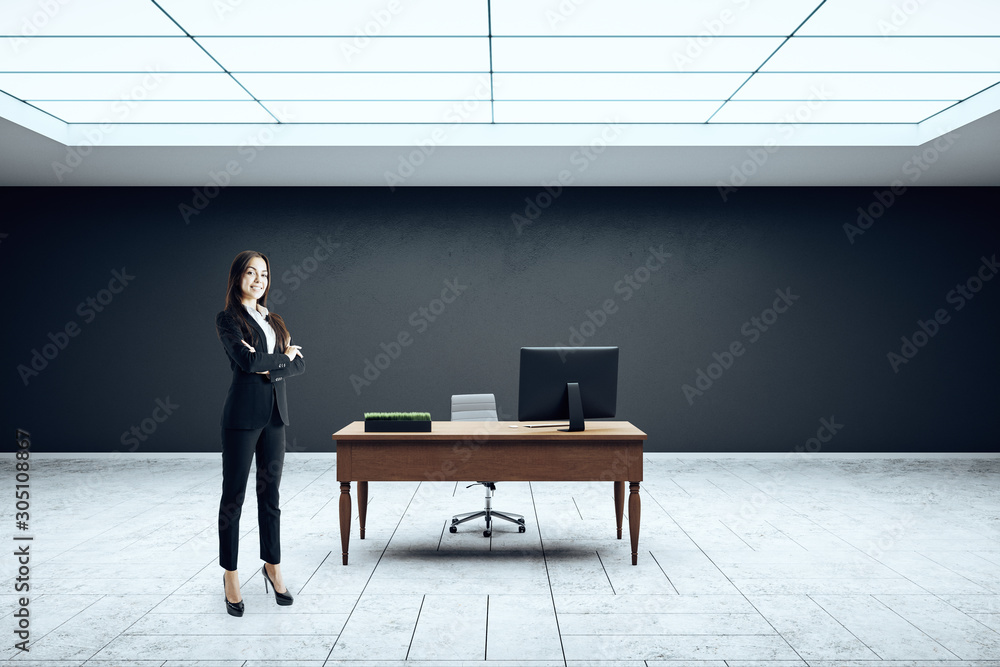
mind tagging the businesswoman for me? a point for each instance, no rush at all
(253, 419)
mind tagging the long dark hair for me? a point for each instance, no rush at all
(234, 300)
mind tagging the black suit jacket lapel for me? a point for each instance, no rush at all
(260, 333)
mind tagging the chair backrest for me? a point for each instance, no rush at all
(474, 407)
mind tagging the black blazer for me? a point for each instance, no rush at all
(251, 395)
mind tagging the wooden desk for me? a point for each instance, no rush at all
(494, 452)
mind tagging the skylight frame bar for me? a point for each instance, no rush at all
(100, 112)
(610, 86)
(61, 18)
(656, 55)
(90, 86)
(471, 49)
(802, 40)
(984, 90)
(489, 37)
(167, 14)
(353, 20)
(384, 112)
(335, 86)
(785, 41)
(879, 85)
(884, 15)
(157, 38)
(864, 112)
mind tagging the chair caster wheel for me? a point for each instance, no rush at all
(453, 529)
(520, 529)
(521, 521)
(487, 533)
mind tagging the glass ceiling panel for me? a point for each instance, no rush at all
(157, 112)
(366, 18)
(603, 112)
(615, 86)
(876, 54)
(865, 86)
(614, 54)
(411, 61)
(118, 85)
(51, 18)
(323, 54)
(366, 85)
(827, 112)
(650, 17)
(895, 18)
(107, 54)
(383, 112)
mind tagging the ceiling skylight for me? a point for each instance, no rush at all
(510, 62)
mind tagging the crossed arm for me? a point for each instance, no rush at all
(277, 365)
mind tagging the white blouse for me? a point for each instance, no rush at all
(269, 334)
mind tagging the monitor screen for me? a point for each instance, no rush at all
(545, 373)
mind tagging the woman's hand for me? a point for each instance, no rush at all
(293, 350)
(267, 373)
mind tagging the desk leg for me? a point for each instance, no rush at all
(345, 517)
(633, 519)
(362, 505)
(619, 505)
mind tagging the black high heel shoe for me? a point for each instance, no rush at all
(234, 608)
(284, 599)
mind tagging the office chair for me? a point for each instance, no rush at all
(480, 407)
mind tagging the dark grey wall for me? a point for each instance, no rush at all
(823, 358)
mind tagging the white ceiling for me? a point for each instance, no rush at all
(511, 92)
(965, 157)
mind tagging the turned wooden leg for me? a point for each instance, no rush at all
(633, 519)
(362, 505)
(345, 517)
(619, 505)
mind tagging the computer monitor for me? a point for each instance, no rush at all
(574, 383)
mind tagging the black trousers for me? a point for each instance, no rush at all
(239, 446)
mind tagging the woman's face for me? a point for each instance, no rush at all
(254, 280)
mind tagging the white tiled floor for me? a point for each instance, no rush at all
(744, 561)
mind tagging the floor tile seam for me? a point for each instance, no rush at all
(141, 616)
(785, 534)
(729, 580)
(368, 581)
(605, 570)
(313, 573)
(956, 572)
(849, 631)
(664, 573)
(552, 598)
(99, 598)
(737, 535)
(415, 624)
(875, 597)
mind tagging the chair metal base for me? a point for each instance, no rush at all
(488, 513)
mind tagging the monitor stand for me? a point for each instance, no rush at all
(575, 407)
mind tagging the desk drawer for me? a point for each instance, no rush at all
(490, 461)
